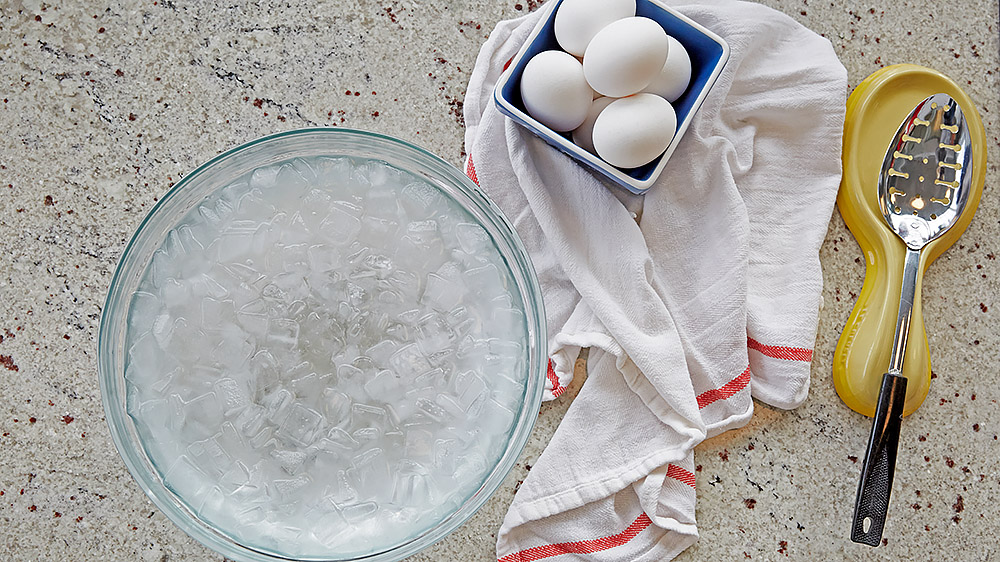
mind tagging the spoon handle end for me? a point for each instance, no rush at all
(875, 486)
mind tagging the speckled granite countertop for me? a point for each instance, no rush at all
(106, 104)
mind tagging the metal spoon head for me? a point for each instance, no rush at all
(926, 175)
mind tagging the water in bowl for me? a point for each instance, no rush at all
(325, 357)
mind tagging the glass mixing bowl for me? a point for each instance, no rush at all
(208, 181)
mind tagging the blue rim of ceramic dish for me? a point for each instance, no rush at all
(113, 328)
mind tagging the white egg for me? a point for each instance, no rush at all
(635, 130)
(675, 75)
(625, 56)
(577, 21)
(554, 90)
(583, 136)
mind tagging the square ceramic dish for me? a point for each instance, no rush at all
(708, 52)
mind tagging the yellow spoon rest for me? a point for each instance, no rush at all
(874, 112)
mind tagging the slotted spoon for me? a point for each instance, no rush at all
(923, 187)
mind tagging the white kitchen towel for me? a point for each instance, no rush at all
(693, 297)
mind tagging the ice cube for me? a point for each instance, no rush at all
(384, 387)
(283, 332)
(309, 386)
(305, 170)
(451, 406)
(155, 414)
(408, 362)
(370, 473)
(287, 489)
(237, 476)
(407, 283)
(442, 294)
(215, 312)
(252, 515)
(359, 513)
(331, 171)
(432, 379)
(472, 238)
(263, 370)
(253, 322)
(202, 285)
(451, 270)
(336, 406)
(381, 202)
(188, 240)
(397, 331)
(423, 233)
(420, 199)
(366, 434)
(293, 258)
(382, 174)
(485, 280)
(323, 257)
(364, 415)
(163, 329)
(186, 480)
(261, 439)
(144, 307)
(209, 215)
(431, 409)
(231, 441)
(175, 293)
(291, 461)
(301, 426)
(411, 487)
(212, 502)
(496, 419)
(342, 225)
(234, 246)
(418, 443)
(382, 351)
(278, 405)
(468, 387)
(508, 321)
(506, 390)
(434, 334)
(338, 440)
(381, 265)
(208, 456)
(200, 417)
(253, 204)
(232, 395)
(379, 232)
(445, 456)
(352, 380)
(251, 419)
(264, 177)
(340, 490)
(234, 347)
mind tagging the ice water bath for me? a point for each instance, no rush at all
(325, 357)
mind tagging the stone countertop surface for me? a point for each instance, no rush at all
(106, 104)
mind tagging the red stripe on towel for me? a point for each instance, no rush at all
(727, 390)
(780, 351)
(557, 389)
(580, 547)
(470, 170)
(506, 64)
(678, 473)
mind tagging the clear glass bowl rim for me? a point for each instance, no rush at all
(111, 335)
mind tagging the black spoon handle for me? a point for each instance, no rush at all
(875, 486)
